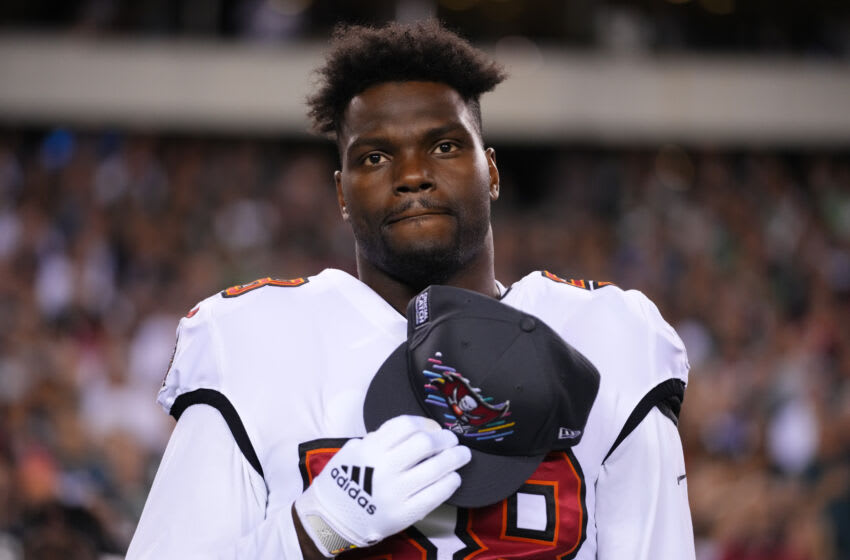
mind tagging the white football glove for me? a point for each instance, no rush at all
(376, 486)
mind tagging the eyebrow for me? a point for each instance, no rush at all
(368, 142)
(445, 129)
(429, 134)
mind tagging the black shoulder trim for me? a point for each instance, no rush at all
(220, 403)
(667, 396)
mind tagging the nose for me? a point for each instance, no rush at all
(411, 174)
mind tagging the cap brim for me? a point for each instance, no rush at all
(486, 479)
(489, 478)
(390, 393)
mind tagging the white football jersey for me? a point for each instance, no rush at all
(287, 363)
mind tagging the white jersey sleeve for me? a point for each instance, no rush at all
(662, 354)
(197, 362)
(642, 510)
(198, 375)
(208, 502)
(209, 497)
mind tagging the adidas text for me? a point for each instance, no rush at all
(349, 483)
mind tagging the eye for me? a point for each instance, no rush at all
(375, 158)
(445, 148)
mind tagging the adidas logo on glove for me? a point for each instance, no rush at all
(351, 485)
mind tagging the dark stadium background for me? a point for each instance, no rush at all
(118, 212)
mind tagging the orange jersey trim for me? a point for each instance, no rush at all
(240, 289)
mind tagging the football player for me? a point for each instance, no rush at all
(270, 457)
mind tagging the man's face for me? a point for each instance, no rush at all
(416, 182)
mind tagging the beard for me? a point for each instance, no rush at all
(425, 262)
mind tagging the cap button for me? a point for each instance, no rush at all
(527, 324)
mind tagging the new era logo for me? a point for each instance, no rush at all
(566, 433)
(356, 482)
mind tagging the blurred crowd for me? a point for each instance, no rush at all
(107, 239)
(822, 29)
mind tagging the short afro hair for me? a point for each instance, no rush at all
(361, 57)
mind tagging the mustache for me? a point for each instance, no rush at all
(407, 205)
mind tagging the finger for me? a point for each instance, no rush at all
(434, 468)
(419, 446)
(400, 428)
(426, 500)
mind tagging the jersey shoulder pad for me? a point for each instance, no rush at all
(662, 338)
(619, 329)
(634, 325)
(542, 289)
(588, 285)
(197, 360)
(261, 293)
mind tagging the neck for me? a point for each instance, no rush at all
(478, 275)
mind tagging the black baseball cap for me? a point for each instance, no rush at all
(510, 387)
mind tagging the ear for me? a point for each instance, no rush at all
(494, 173)
(340, 198)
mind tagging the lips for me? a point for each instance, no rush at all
(415, 212)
